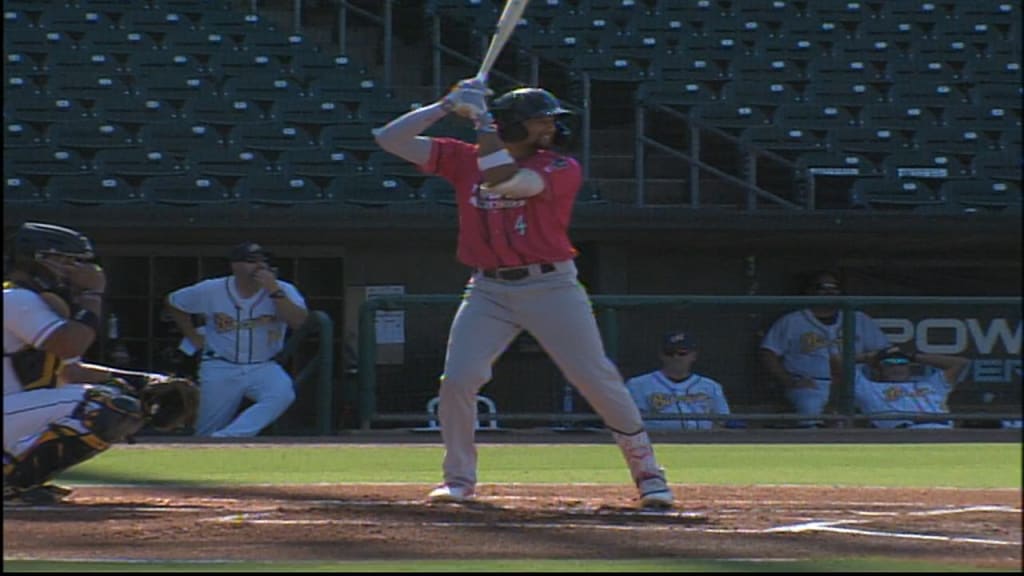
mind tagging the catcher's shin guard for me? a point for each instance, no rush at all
(102, 418)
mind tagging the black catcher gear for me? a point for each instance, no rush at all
(35, 240)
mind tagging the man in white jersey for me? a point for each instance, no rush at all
(888, 386)
(676, 389)
(246, 316)
(802, 350)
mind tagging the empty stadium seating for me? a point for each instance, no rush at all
(833, 80)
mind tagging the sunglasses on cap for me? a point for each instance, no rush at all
(826, 286)
(896, 361)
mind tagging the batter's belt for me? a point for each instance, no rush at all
(517, 273)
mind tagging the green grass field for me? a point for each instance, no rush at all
(897, 465)
(962, 466)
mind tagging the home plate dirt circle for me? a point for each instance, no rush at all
(979, 528)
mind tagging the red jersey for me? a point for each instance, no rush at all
(496, 232)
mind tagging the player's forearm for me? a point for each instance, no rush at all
(774, 368)
(293, 314)
(401, 136)
(940, 361)
(183, 320)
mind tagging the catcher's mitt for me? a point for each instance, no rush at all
(170, 402)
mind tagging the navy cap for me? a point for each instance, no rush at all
(248, 252)
(676, 341)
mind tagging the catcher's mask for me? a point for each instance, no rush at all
(35, 241)
(512, 108)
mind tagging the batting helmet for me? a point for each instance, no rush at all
(512, 108)
(34, 240)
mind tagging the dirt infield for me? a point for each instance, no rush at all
(979, 528)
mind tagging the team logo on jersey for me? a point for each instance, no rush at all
(558, 163)
(489, 201)
(224, 323)
(811, 341)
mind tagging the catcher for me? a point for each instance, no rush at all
(58, 410)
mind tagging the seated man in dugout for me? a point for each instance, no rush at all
(888, 385)
(675, 389)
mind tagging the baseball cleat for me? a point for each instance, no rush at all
(44, 495)
(450, 493)
(655, 493)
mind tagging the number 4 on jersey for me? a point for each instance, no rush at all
(521, 225)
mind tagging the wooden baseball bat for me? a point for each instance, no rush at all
(510, 16)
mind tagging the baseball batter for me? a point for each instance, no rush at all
(676, 389)
(802, 349)
(56, 412)
(246, 317)
(887, 386)
(515, 193)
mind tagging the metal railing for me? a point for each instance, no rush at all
(320, 366)
(610, 304)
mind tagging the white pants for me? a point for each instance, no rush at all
(27, 414)
(223, 385)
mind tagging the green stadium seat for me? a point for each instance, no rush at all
(438, 190)
(134, 110)
(313, 111)
(201, 43)
(91, 134)
(232, 162)
(281, 190)
(216, 111)
(21, 191)
(180, 138)
(188, 189)
(155, 63)
(262, 87)
(137, 162)
(119, 42)
(998, 164)
(731, 116)
(273, 43)
(321, 165)
(349, 137)
(233, 64)
(23, 135)
(92, 190)
(385, 164)
(230, 21)
(924, 165)
(36, 42)
(44, 108)
(895, 194)
(87, 86)
(376, 192)
(72, 19)
(987, 193)
(814, 116)
(46, 161)
(271, 137)
(308, 66)
(897, 115)
(787, 142)
(351, 90)
(176, 85)
(676, 93)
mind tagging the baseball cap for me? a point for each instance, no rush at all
(248, 252)
(892, 355)
(676, 341)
